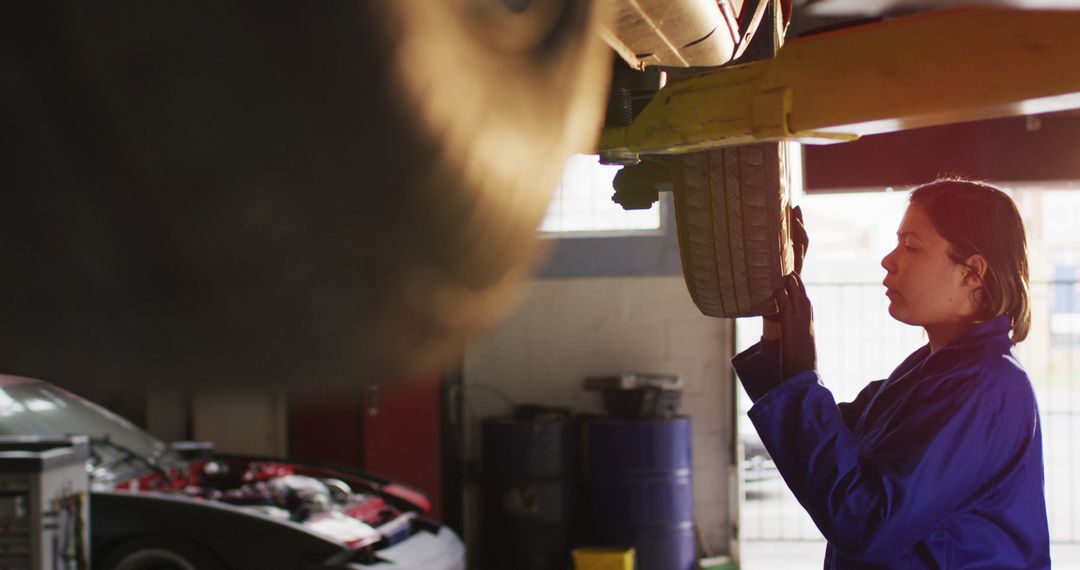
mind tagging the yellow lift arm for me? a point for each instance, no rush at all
(928, 69)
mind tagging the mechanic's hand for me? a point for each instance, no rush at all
(797, 351)
(800, 242)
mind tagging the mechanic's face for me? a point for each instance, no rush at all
(925, 287)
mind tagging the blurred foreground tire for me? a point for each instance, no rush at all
(301, 193)
(731, 209)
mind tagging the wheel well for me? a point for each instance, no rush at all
(113, 549)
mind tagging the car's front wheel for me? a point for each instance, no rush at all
(160, 554)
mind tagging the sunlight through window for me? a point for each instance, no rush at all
(582, 203)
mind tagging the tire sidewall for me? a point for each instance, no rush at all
(181, 553)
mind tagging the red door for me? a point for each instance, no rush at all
(391, 431)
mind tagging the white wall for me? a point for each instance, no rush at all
(568, 329)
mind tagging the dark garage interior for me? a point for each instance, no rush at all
(458, 285)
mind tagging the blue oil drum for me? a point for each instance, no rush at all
(530, 500)
(639, 492)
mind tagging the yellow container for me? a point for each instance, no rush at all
(597, 558)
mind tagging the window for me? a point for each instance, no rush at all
(582, 204)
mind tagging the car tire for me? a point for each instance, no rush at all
(160, 554)
(731, 210)
(534, 94)
(290, 194)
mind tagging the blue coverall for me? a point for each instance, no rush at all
(938, 466)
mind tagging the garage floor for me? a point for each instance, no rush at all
(808, 555)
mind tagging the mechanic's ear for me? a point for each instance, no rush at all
(976, 270)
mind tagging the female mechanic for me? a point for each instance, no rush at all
(939, 465)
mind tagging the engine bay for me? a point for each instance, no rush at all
(347, 509)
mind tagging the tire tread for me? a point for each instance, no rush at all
(729, 209)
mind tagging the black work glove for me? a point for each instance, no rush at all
(797, 351)
(800, 242)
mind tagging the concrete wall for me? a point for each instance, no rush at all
(241, 420)
(568, 329)
(168, 411)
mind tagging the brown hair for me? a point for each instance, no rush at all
(977, 218)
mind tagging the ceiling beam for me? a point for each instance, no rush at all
(886, 7)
